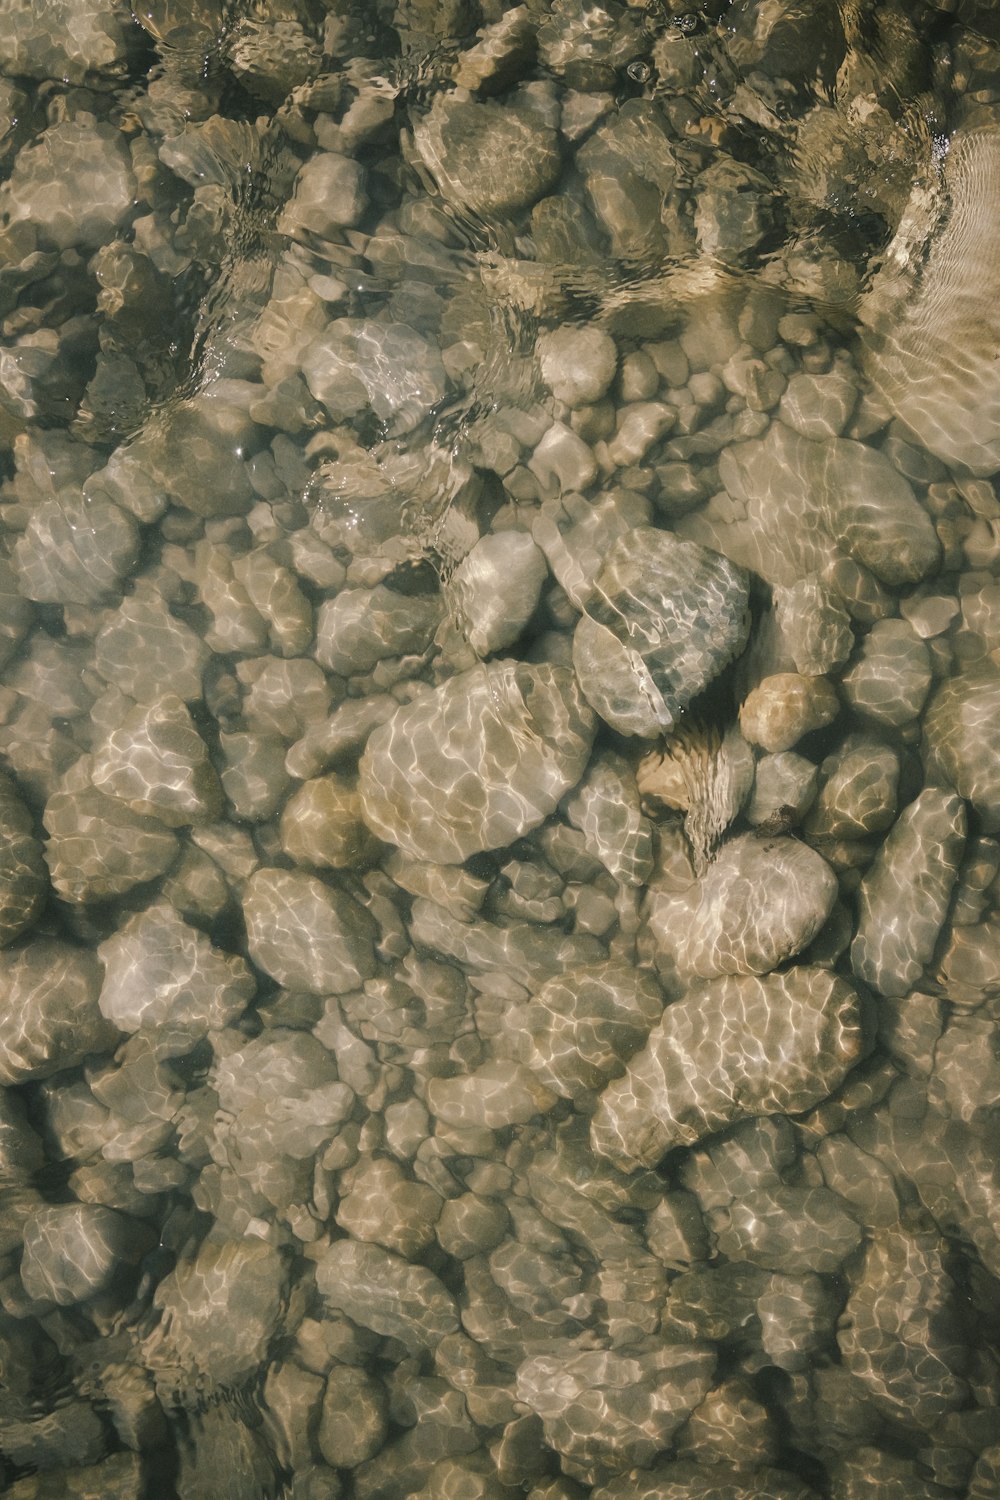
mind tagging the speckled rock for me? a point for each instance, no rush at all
(496, 589)
(382, 1292)
(49, 1016)
(76, 550)
(75, 184)
(73, 1250)
(489, 159)
(787, 1229)
(158, 970)
(786, 706)
(606, 1410)
(665, 618)
(23, 872)
(904, 897)
(306, 934)
(897, 1335)
(581, 1028)
(577, 364)
(962, 739)
(220, 1311)
(380, 1205)
(605, 808)
(722, 926)
(731, 1049)
(476, 763)
(157, 763)
(858, 797)
(497, 1094)
(97, 848)
(891, 678)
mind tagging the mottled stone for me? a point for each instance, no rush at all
(814, 624)
(962, 739)
(476, 763)
(360, 627)
(665, 618)
(629, 169)
(489, 159)
(145, 651)
(576, 535)
(722, 926)
(73, 1250)
(785, 707)
(382, 1292)
(606, 1410)
(329, 196)
(306, 934)
(98, 849)
(732, 1048)
(703, 774)
(254, 778)
(72, 42)
(784, 788)
(818, 406)
(497, 1094)
(322, 826)
(891, 678)
(496, 589)
(280, 1094)
(577, 364)
(157, 763)
(49, 1016)
(797, 1319)
(729, 1427)
(787, 1229)
(220, 1311)
(159, 971)
(76, 550)
(904, 897)
(897, 1335)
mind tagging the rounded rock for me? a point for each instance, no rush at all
(785, 707)
(308, 935)
(578, 364)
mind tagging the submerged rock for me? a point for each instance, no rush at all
(732, 1048)
(23, 873)
(489, 159)
(962, 739)
(664, 619)
(306, 934)
(72, 1251)
(382, 1292)
(476, 763)
(49, 1016)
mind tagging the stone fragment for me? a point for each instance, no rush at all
(160, 971)
(607, 1410)
(721, 926)
(797, 1316)
(785, 707)
(580, 1029)
(897, 1334)
(629, 170)
(962, 739)
(496, 589)
(733, 1048)
(522, 952)
(220, 1311)
(578, 364)
(49, 1016)
(733, 211)
(281, 1097)
(497, 1094)
(476, 763)
(562, 462)
(75, 550)
(73, 1250)
(664, 619)
(157, 763)
(382, 1292)
(98, 849)
(892, 676)
(492, 160)
(306, 934)
(904, 897)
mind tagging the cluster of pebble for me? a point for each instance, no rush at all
(500, 707)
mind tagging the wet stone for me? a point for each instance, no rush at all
(605, 808)
(891, 678)
(75, 184)
(797, 1318)
(49, 1017)
(577, 364)
(380, 1205)
(23, 872)
(73, 42)
(858, 797)
(576, 536)
(254, 778)
(476, 763)
(703, 774)
(329, 196)
(496, 589)
(76, 550)
(904, 897)
(489, 159)
(157, 763)
(787, 1229)
(73, 1250)
(354, 1418)
(665, 618)
(322, 826)
(360, 627)
(146, 652)
(784, 786)
(98, 848)
(160, 971)
(962, 739)
(815, 624)
(784, 708)
(382, 1292)
(306, 934)
(733, 1048)
(497, 1094)
(818, 406)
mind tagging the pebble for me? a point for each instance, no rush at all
(488, 158)
(157, 763)
(784, 708)
(494, 1096)
(75, 185)
(380, 1205)
(322, 825)
(818, 406)
(448, 776)
(145, 651)
(329, 196)
(815, 624)
(784, 786)
(97, 848)
(72, 1251)
(858, 797)
(962, 739)
(381, 1291)
(358, 628)
(892, 676)
(576, 536)
(605, 808)
(49, 1015)
(496, 589)
(76, 550)
(577, 364)
(787, 1229)
(306, 934)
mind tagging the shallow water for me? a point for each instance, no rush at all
(500, 730)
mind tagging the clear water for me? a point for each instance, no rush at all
(341, 345)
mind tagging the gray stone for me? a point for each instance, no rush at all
(477, 763)
(962, 739)
(157, 763)
(329, 196)
(496, 589)
(145, 651)
(858, 797)
(75, 184)
(605, 808)
(892, 676)
(380, 1205)
(76, 550)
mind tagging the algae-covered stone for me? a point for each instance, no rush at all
(476, 763)
(665, 617)
(308, 935)
(733, 1048)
